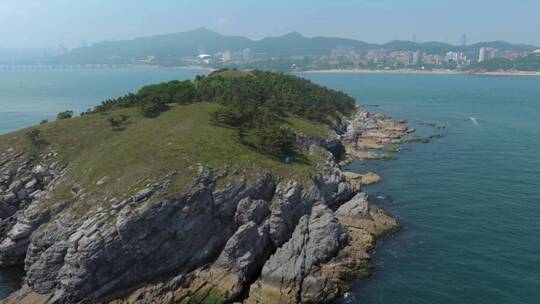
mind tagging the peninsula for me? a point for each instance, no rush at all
(228, 188)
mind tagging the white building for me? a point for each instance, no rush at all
(205, 58)
(482, 55)
(487, 53)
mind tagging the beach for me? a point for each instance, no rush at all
(416, 71)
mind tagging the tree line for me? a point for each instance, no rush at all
(255, 103)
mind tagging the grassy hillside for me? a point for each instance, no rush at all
(146, 149)
(235, 124)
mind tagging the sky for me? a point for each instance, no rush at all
(49, 23)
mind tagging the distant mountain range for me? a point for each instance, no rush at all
(171, 47)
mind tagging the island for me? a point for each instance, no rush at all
(228, 188)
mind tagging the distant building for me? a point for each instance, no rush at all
(247, 55)
(432, 59)
(416, 58)
(400, 58)
(536, 53)
(487, 53)
(482, 55)
(227, 56)
(452, 57)
(464, 40)
(376, 56)
(492, 53)
(204, 58)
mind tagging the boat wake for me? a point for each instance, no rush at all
(474, 120)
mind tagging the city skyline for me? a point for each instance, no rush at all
(34, 23)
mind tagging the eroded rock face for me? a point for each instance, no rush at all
(24, 187)
(270, 241)
(293, 273)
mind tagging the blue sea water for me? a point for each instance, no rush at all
(28, 96)
(468, 203)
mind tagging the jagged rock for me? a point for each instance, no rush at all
(317, 239)
(31, 185)
(357, 206)
(358, 180)
(251, 211)
(236, 267)
(286, 211)
(143, 194)
(15, 186)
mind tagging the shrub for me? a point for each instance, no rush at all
(36, 141)
(117, 121)
(34, 136)
(275, 140)
(65, 115)
(153, 107)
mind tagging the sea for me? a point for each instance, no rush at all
(468, 202)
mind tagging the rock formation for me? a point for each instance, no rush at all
(270, 240)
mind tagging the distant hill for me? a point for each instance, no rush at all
(172, 47)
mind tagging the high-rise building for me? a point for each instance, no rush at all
(464, 40)
(482, 54)
(491, 53)
(227, 56)
(487, 53)
(416, 58)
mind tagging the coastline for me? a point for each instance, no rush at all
(414, 71)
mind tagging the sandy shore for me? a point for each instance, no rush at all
(414, 71)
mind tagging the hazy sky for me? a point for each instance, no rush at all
(39, 23)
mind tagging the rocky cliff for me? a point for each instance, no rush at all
(269, 239)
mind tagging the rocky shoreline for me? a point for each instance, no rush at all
(264, 241)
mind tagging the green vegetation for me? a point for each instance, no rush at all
(392, 148)
(147, 149)
(117, 121)
(34, 135)
(65, 115)
(261, 106)
(152, 107)
(36, 142)
(529, 63)
(415, 139)
(209, 297)
(363, 269)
